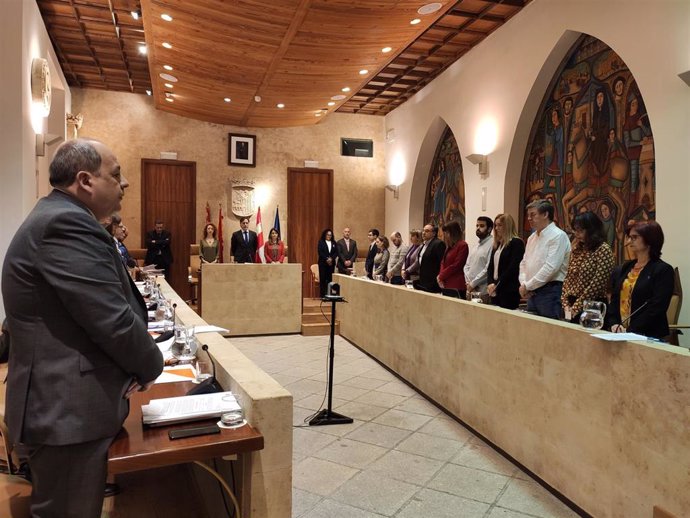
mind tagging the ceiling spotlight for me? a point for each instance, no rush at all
(168, 77)
(142, 48)
(169, 99)
(227, 99)
(257, 98)
(167, 45)
(346, 89)
(331, 103)
(280, 105)
(167, 67)
(136, 14)
(338, 97)
(168, 85)
(166, 17)
(168, 94)
(430, 8)
(363, 72)
(148, 92)
(386, 50)
(317, 114)
(415, 21)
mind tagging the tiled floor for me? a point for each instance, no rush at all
(401, 457)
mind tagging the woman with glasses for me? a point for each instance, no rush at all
(642, 287)
(381, 258)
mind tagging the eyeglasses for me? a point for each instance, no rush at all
(633, 237)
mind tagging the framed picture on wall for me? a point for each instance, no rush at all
(242, 150)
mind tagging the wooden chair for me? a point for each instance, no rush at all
(138, 254)
(673, 311)
(314, 280)
(193, 271)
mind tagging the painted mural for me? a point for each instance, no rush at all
(591, 146)
(445, 198)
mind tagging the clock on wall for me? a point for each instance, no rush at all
(40, 85)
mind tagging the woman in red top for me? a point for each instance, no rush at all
(274, 249)
(451, 274)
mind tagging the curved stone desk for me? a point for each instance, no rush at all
(607, 424)
(266, 478)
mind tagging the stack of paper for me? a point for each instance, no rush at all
(188, 408)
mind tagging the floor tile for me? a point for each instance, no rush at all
(355, 454)
(381, 399)
(419, 405)
(320, 476)
(340, 430)
(428, 503)
(305, 387)
(397, 387)
(359, 410)
(378, 434)
(400, 419)
(366, 383)
(331, 509)
(317, 402)
(531, 498)
(348, 392)
(406, 467)
(303, 501)
(375, 493)
(380, 373)
(484, 457)
(500, 512)
(469, 483)
(446, 428)
(307, 441)
(431, 446)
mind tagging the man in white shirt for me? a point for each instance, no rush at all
(397, 252)
(545, 263)
(478, 260)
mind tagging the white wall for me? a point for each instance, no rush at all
(503, 80)
(23, 37)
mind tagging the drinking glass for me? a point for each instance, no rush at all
(476, 296)
(593, 314)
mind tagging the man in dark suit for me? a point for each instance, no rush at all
(430, 257)
(158, 245)
(80, 345)
(347, 252)
(371, 254)
(243, 243)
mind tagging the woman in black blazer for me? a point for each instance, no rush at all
(503, 283)
(328, 253)
(642, 287)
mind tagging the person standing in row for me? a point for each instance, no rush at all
(347, 253)
(478, 260)
(328, 254)
(410, 270)
(504, 265)
(158, 250)
(396, 259)
(243, 243)
(208, 246)
(371, 254)
(80, 344)
(451, 274)
(430, 257)
(274, 248)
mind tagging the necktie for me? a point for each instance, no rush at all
(246, 237)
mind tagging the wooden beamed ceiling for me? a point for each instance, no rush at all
(300, 53)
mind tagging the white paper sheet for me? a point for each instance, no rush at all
(188, 408)
(620, 337)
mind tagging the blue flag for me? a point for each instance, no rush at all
(276, 223)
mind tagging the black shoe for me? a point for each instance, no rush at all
(111, 489)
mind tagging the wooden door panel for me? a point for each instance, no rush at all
(310, 211)
(168, 193)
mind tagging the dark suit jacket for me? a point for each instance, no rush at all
(78, 328)
(369, 261)
(452, 273)
(430, 264)
(324, 254)
(244, 252)
(344, 255)
(654, 287)
(159, 252)
(508, 290)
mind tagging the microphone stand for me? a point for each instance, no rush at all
(327, 416)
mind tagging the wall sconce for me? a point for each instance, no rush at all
(482, 161)
(395, 189)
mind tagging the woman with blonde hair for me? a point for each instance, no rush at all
(504, 265)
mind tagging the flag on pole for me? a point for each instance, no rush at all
(220, 233)
(276, 222)
(260, 239)
(208, 215)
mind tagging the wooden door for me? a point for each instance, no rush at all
(310, 211)
(168, 193)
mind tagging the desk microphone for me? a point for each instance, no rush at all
(210, 385)
(634, 313)
(174, 312)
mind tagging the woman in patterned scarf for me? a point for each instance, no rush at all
(591, 264)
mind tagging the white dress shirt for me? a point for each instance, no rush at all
(477, 264)
(546, 258)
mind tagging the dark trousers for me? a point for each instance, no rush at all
(397, 280)
(68, 481)
(546, 301)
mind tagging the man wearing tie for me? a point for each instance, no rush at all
(347, 252)
(80, 346)
(243, 243)
(369, 262)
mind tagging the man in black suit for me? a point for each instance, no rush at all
(347, 252)
(430, 257)
(159, 252)
(243, 243)
(80, 345)
(369, 261)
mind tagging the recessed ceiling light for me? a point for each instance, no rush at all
(168, 85)
(415, 21)
(257, 98)
(166, 17)
(227, 99)
(148, 92)
(346, 89)
(280, 105)
(167, 67)
(331, 103)
(385, 50)
(363, 72)
(169, 99)
(317, 114)
(430, 8)
(142, 48)
(168, 77)
(338, 97)
(167, 45)
(168, 94)
(136, 14)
